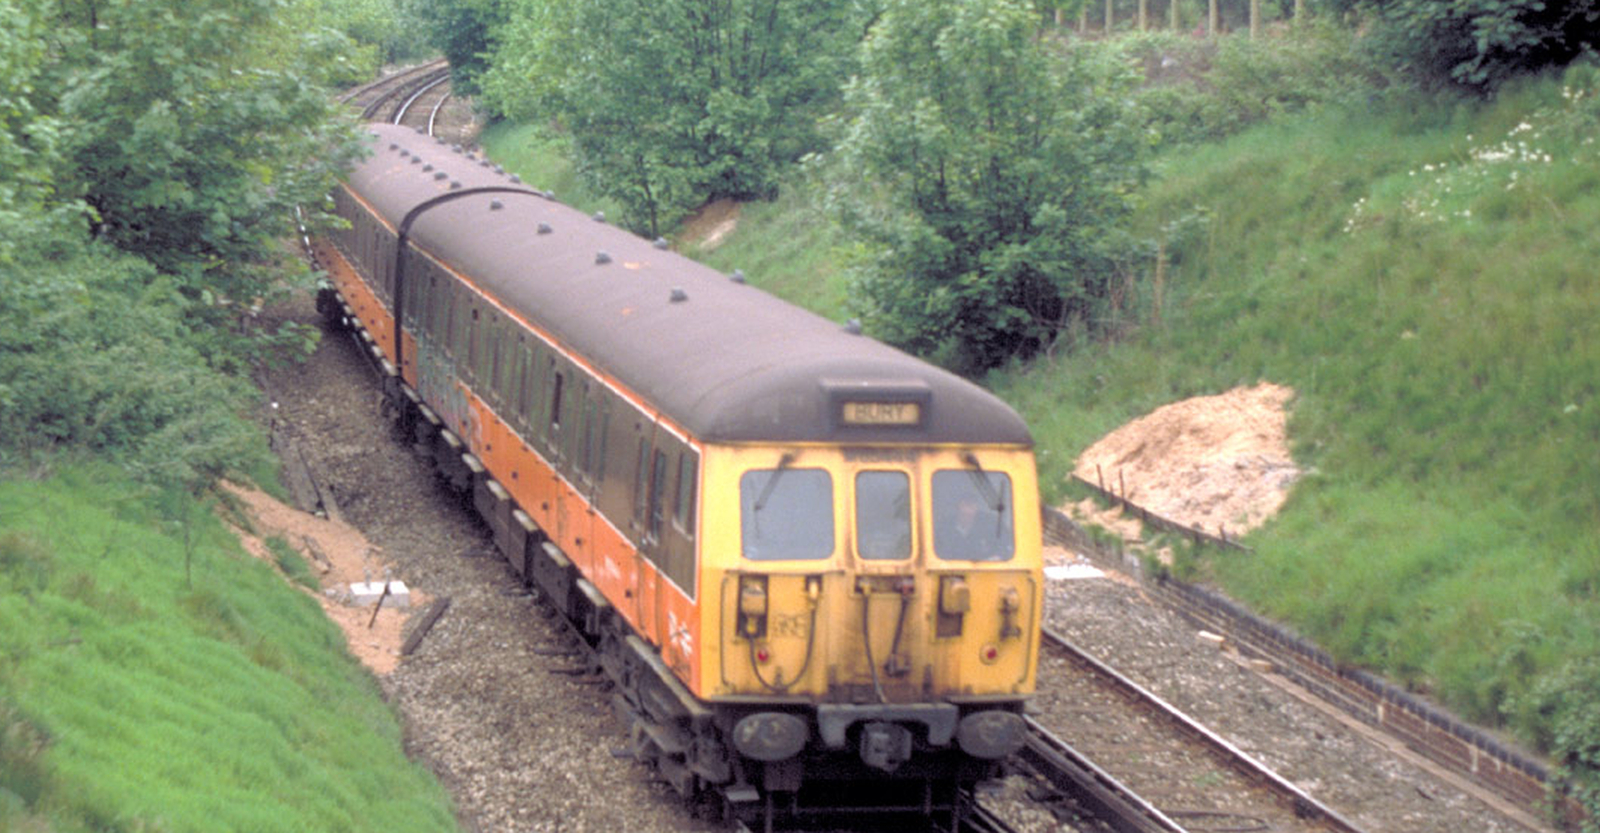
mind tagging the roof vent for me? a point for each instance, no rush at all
(544, 228)
(678, 296)
(496, 205)
(416, 160)
(497, 169)
(853, 326)
(393, 145)
(549, 195)
(439, 175)
(602, 257)
(422, 130)
(737, 276)
(472, 156)
(515, 178)
(428, 167)
(599, 217)
(454, 184)
(659, 242)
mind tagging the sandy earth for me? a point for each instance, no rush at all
(707, 227)
(339, 555)
(1215, 463)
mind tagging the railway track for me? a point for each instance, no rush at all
(421, 107)
(389, 98)
(1144, 767)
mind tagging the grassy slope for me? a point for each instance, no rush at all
(1443, 332)
(1429, 289)
(132, 700)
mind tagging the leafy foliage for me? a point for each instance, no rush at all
(461, 29)
(1479, 44)
(94, 355)
(192, 135)
(669, 103)
(1198, 90)
(987, 178)
(29, 136)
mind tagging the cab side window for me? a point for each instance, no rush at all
(786, 514)
(972, 515)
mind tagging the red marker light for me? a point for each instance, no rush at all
(762, 656)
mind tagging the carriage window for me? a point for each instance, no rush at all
(555, 402)
(683, 512)
(431, 308)
(641, 478)
(972, 519)
(883, 514)
(448, 302)
(786, 513)
(497, 375)
(658, 489)
(462, 333)
(590, 444)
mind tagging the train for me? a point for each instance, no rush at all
(808, 563)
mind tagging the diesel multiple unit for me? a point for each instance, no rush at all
(808, 561)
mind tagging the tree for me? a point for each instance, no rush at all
(190, 133)
(1479, 44)
(986, 177)
(461, 30)
(29, 138)
(672, 102)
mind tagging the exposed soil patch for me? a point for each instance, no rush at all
(1212, 462)
(339, 555)
(707, 227)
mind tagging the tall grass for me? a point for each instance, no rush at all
(147, 700)
(542, 161)
(1423, 276)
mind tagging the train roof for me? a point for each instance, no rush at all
(727, 361)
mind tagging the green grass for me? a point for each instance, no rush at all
(789, 248)
(1433, 300)
(542, 162)
(292, 563)
(134, 698)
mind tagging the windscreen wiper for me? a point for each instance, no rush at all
(772, 482)
(981, 479)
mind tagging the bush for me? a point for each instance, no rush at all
(986, 178)
(1480, 45)
(95, 353)
(1201, 90)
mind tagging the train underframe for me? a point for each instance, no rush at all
(878, 759)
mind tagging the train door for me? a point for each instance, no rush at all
(647, 485)
(889, 590)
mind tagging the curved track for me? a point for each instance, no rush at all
(387, 98)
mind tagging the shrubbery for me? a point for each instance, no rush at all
(96, 354)
(1480, 45)
(671, 103)
(987, 178)
(1201, 90)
